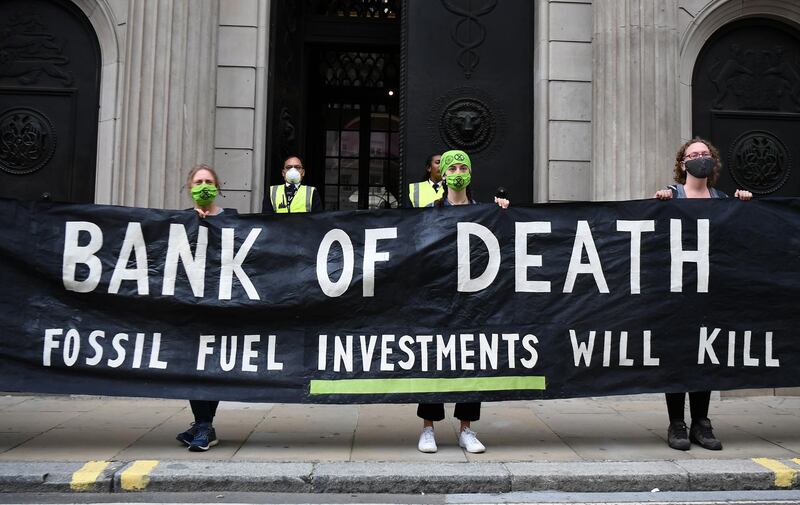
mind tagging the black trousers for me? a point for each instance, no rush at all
(698, 404)
(435, 411)
(203, 410)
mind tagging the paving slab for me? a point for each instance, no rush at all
(22, 421)
(260, 407)
(10, 400)
(739, 406)
(575, 406)
(66, 403)
(11, 440)
(73, 445)
(297, 447)
(788, 404)
(781, 430)
(653, 405)
(513, 432)
(611, 437)
(376, 444)
(310, 418)
(114, 417)
(391, 433)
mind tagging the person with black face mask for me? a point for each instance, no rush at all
(697, 165)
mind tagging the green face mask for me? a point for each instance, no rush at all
(204, 194)
(457, 182)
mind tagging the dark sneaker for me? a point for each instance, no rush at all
(702, 434)
(187, 436)
(677, 437)
(205, 437)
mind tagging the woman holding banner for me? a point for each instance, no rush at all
(697, 165)
(203, 184)
(455, 168)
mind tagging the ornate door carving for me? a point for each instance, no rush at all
(286, 132)
(49, 90)
(470, 86)
(746, 100)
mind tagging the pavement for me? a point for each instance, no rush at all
(108, 444)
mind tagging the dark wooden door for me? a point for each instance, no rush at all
(746, 101)
(334, 98)
(470, 87)
(354, 111)
(49, 94)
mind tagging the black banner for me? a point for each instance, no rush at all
(460, 303)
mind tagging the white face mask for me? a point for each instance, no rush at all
(293, 176)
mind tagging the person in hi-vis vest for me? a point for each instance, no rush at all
(292, 196)
(427, 191)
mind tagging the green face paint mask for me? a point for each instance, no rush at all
(204, 194)
(457, 182)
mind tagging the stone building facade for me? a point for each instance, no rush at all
(188, 81)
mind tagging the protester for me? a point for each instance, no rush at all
(697, 166)
(430, 188)
(203, 184)
(456, 169)
(293, 196)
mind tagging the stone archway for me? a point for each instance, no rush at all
(711, 18)
(102, 19)
(49, 90)
(746, 101)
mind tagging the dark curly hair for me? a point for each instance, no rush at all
(680, 174)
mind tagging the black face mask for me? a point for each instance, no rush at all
(700, 167)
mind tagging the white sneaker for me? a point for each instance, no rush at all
(427, 442)
(468, 439)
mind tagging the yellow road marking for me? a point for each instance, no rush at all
(784, 475)
(87, 475)
(137, 476)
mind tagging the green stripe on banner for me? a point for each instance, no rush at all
(387, 386)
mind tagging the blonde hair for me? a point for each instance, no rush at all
(196, 169)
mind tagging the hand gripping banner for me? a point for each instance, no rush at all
(452, 304)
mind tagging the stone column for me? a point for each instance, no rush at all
(635, 96)
(169, 89)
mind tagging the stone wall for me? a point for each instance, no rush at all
(239, 140)
(184, 82)
(563, 103)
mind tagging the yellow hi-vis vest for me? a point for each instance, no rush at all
(300, 203)
(421, 194)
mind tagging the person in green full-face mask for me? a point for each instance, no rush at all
(456, 169)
